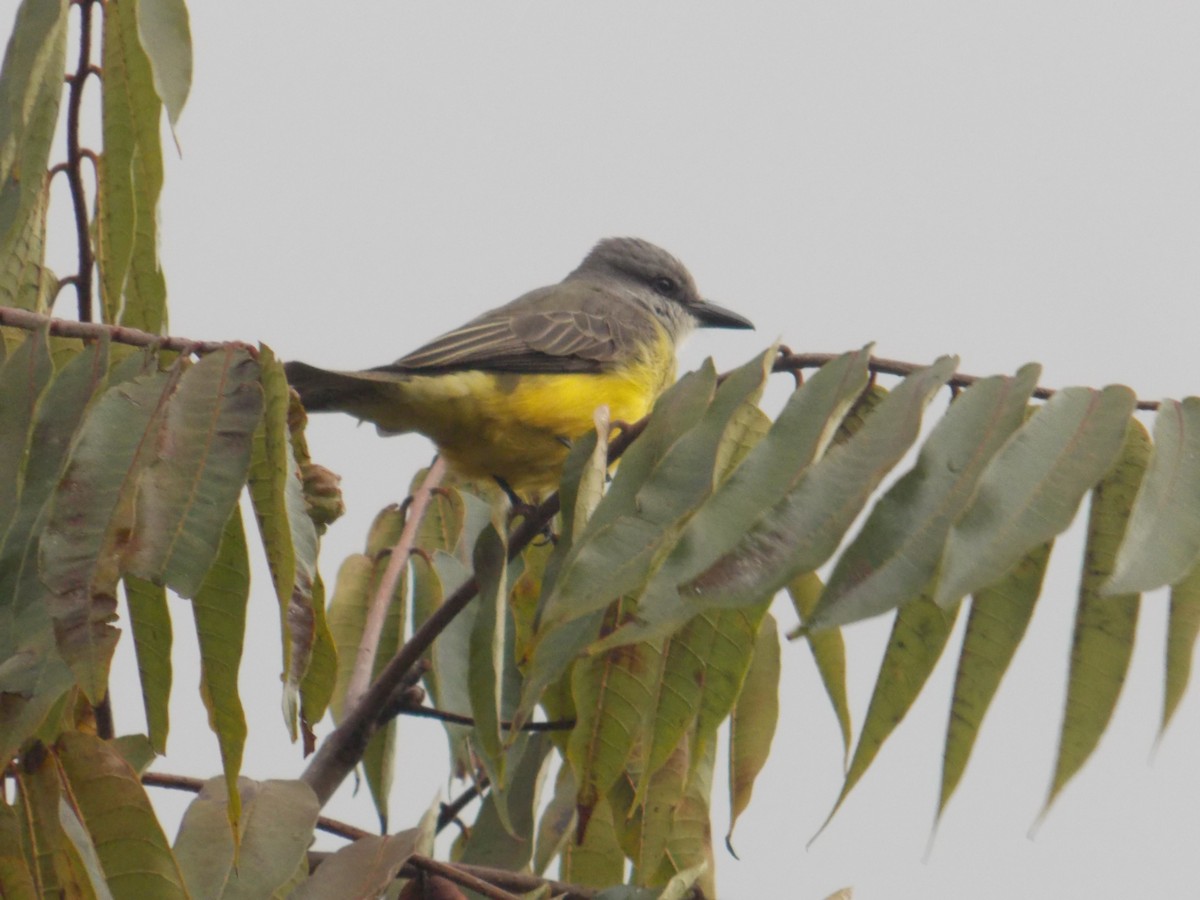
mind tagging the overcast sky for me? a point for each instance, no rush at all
(1009, 182)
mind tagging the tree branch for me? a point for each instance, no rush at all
(91, 331)
(75, 83)
(461, 877)
(429, 712)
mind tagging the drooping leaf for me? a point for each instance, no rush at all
(450, 656)
(828, 651)
(555, 825)
(219, 609)
(23, 378)
(364, 868)
(746, 555)
(1183, 625)
(167, 39)
(752, 723)
(151, 623)
(290, 540)
(598, 860)
(1104, 626)
(919, 634)
(1162, 542)
(16, 876)
(31, 88)
(91, 517)
(489, 842)
(999, 617)
(1031, 489)
(614, 695)
(898, 550)
(485, 671)
(274, 833)
(133, 290)
(186, 495)
(112, 804)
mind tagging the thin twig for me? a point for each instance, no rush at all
(83, 281)
(368, 644)
(429, 712)
(461, 877)
(793, 362)
(449, 811)
(119, 334)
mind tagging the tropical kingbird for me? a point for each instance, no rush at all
(504, 395)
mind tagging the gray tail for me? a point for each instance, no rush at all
(321, 390)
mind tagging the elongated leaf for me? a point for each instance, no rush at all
(274, 832)
(24, 609)
(87, 873)
(1030, 491)
(450, 659)
(23, 378)
(132, 288)
(1183, 625)
(151, 622)
(55, 864)
(752, 723)
(919, 635)
(290, 539)
(615, 560)
(16, 877)
(167, 39)
(90, 517)
(999, 617)
(486, 643)
(689, 842)
(898, 550)
(365, 868)
(185, 497)
(30, 92)
(219, 609)
(793, 534)
(597, 860)
(614, 695)
(489, 842)
(1104, 626)
(109, 798)
(828, 651)
(1163, 539)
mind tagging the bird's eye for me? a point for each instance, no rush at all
(665, 286)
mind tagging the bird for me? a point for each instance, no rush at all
(504, 396)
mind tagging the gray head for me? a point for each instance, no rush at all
(660, 281)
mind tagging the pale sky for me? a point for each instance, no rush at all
(1009, 182)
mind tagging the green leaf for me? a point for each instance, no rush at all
(274, 833)
(1162, 542)
(489, 842)
(1183, 625)
(450, 655)
(747, 554)
(186, 495)
(616, 697)
(999, 617)
(24, 609)
(133, 291)
(91, 517)
(898, 550)
(365, 868)
(151, 623)
(16, 877)
(23, 378)
(828, 651)
(615, 560)
(290, 540)
(167, 39)
(597, 860)
(31, 88)
(486, 653)
(1104, 626)
(1032, 487)
(112, 804)
(919, 634)
(219, 609)
(752, 723)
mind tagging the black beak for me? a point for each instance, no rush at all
(709, 315)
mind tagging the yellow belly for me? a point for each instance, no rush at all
(514, 426)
